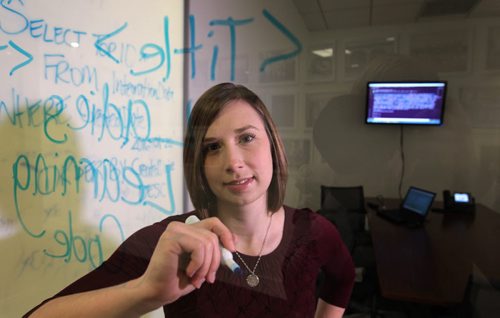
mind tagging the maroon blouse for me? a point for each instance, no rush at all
(288, 275)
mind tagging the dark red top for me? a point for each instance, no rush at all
(288, 275)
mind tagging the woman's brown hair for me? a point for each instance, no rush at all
(204, 113)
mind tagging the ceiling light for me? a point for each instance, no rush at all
(328, 52)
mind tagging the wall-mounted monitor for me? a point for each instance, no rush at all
(405, 103)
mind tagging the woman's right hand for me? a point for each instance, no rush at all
(185, 257)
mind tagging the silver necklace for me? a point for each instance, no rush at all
(252, 278)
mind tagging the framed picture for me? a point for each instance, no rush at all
(443, 51)
(493, 49)
(283, 109)
(357, 54)
(320, 63)
(280, 69)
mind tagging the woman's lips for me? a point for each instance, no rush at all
(239, 185)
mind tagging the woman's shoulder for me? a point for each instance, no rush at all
(305, 215)
(305, 219)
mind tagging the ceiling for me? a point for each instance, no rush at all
(321, 15)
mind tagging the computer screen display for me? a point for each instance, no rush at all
(405, 103)
(462, 197)
(418, 200)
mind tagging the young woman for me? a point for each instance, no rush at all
(236, 172)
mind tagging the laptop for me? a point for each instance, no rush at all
(413, 210)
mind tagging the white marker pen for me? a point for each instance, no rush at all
(226, 255)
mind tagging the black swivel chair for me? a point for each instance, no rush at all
(345, 207)
(352, 198)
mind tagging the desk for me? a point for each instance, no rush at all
(432, 264)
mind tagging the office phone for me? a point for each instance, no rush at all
(458, 201)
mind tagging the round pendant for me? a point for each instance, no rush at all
(252, 280)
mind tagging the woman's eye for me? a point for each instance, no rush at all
(212, 147)
(247, 138)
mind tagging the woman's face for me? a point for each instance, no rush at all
(238, 160)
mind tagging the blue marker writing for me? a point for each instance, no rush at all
(226, 255)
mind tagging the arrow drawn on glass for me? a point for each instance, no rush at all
(23, 52)
(101, 39)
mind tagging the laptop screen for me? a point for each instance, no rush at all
(418, 200)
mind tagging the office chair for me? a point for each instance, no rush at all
(345, 207)
(352, 198)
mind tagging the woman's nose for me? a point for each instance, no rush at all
(234, 159)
